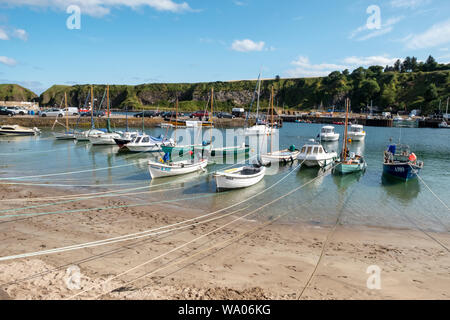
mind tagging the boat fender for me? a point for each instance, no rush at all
(182, 165)
(292, 159)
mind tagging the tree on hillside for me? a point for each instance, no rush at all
(431, 93)
(397, 65)
(369, 89)
(430, 64)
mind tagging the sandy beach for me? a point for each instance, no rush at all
(247, 259)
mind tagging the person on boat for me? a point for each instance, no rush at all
(166, 157)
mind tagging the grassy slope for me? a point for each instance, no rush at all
(14, 92)
(297, 94)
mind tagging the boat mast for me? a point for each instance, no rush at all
(211, 116)
(259, 94)
(92, 107)
(176, 119)
(107, 108)
(347, 103)
(67, 112)
(271, 132)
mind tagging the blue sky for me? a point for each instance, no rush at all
(144, 41)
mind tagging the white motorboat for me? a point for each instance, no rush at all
(126, 138)
(145, 143)
(65, 135)
(356, 132)
(314, 155)
(85, 135)
(328, 134)
(288, 155)
(16, 130)
(104, 138)
(260, 129)
(163, 170)
(238, 178)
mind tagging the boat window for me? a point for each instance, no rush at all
(146, 140)
(309, 150)
(303, 149)
(138, 139)
(316, 150)
(320, 150)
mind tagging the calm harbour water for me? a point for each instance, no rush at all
(365, 199)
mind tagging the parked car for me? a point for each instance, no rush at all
(238, 112)
(18, 111)
(147, 114)
(6, 112)
(53, 113)
(170, 114)
(200, 114)
(97, 114)
(225, 115)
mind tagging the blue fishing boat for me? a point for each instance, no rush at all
(401, 163)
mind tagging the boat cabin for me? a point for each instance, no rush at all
(328, 130)
(312, 149)
(356, 128)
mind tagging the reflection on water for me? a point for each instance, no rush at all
(400, 190)
(343, 182)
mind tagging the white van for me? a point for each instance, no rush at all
(238, 112)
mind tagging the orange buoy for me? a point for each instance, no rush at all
(412, 157)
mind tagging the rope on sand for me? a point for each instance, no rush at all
(186, 244)
(130, 236)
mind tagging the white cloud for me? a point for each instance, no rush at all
(436, 35)
(409, 4)
(370, 61)
(3, 35)
(384, 29)
(304, 68)
(8, 61)
(247, 45)
(100, 8)
(21, 34)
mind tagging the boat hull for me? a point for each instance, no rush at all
(141, 148)
(329, 137)
(282, 156)
(16, 133)
(356, 136)
(226, 181)
(342, 168)
(403, 171)
(160, 170)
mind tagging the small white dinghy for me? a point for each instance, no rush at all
(314, 155)
(85, 135)
(238, 178)
(163, 170)
(104, 139)
(287, 155)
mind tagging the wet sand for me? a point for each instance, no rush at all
(246, 260)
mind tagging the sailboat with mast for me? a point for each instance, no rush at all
(259, 128)
(287, 155)
(85, 135)
(105, 138)
(171, 147)
(349, 162)
(219, 153)
(67, 135)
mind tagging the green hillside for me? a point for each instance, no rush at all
(404, 86)
(14, 92)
